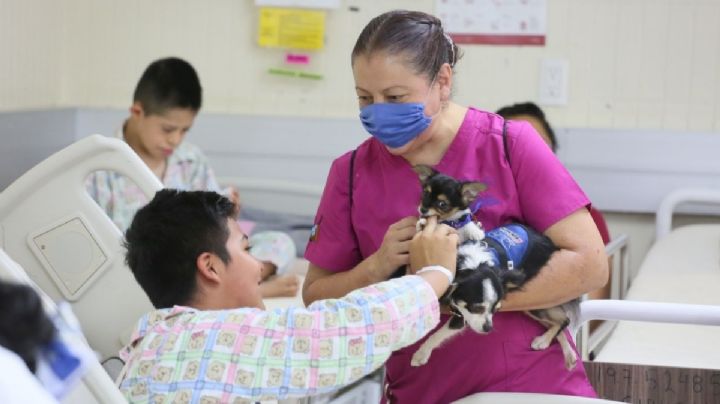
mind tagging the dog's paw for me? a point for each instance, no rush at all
(570, 359)
(420, 224)
(421, 357)
(540, 342)
(474, 233)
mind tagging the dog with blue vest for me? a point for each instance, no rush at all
(489, 265)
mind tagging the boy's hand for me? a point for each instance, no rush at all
(234, 195)
(436, 244)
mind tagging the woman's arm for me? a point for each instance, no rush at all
(392, 254)
(323, 284)
(579, 267)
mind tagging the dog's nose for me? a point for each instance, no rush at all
(424, 211)
(487, 327)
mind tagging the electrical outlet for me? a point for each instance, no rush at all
(553, 82)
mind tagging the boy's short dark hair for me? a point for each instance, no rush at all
(530, 109)
(168, 83)
(25, 329)
(166, 237)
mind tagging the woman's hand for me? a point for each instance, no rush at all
(394, 251)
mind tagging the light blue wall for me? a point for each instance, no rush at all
(27, 138)
(620, 170)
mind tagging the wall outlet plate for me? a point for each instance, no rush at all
(553, 82)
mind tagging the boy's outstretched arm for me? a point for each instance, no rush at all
(295, 352)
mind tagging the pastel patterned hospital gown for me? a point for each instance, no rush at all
(187, 169)
(232, 356)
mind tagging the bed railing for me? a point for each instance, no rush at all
(663, 218)
(276, 195)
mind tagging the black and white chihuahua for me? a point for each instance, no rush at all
(488, 266)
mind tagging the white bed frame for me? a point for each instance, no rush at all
(676, 283)
(66, 243)
(95, 385)
(276, 195)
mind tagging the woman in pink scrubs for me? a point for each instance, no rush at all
(403, 67)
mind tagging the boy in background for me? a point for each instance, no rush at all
(165, 103)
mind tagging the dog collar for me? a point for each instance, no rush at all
(459, 223)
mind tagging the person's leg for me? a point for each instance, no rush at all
(280, 286)
(275, 249)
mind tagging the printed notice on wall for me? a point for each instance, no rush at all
(328, 4)
(496, 22)
(291, 28)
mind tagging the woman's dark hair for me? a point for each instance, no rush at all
(418, 36)
(166, 237)
(24, 327)
(530, 109)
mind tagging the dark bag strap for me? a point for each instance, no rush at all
(351, 186)
(505, 142)
(351, 179)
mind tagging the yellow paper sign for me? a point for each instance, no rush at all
(291, 28)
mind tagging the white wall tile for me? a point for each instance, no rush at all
(676, 115)
(650, 114)
(705, 74)
(701, 117)
(655, 33)
(679, 54)
(641, 63)
(31, 43)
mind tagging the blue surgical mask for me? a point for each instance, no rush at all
(395, 125)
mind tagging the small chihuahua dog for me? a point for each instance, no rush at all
(488, 266)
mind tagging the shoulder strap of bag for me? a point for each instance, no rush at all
(505, 141)
(351, 186)
(352, 177)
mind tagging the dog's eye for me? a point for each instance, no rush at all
(477, 308)
(442, 205)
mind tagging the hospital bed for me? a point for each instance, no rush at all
(649, 313)
(95, 386)
(682, 266)
(69, 247)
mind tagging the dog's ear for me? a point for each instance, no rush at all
(512, 279)
(462, 274)
(470, 190)
(424, 172)
(447, 296)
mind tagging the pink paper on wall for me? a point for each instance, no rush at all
(297, 58)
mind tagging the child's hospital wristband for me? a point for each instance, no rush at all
(437, 268)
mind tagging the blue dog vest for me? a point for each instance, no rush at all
(508, 245)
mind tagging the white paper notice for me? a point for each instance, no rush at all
(327, 4)
(498, 22)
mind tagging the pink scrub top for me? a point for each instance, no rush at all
(533, 187)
